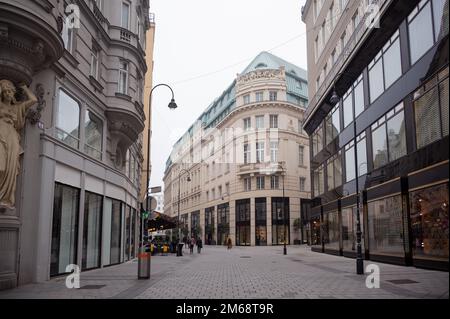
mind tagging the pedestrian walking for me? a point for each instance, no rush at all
(191, 245)
(229, 244)
(199, 245)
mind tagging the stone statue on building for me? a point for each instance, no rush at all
(12, 120)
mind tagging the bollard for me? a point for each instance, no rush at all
(143, 264)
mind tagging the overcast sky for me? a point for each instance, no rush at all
(200, 46)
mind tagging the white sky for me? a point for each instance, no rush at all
(199, 37)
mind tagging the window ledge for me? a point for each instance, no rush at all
(96, 84)
(123, 96)
(71, 59)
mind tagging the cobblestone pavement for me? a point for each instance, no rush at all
(245, 272)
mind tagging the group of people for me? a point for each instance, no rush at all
(193, 242)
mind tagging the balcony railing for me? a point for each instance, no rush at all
(356, 36)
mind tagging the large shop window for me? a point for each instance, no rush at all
(68, 120)
(429, 222)
(195, 224)
(331, 230)
(243, 222)
(385, 68)
(388, 137)
(127, 232)
(133, 233)
(223, 226)
(64, 228)
(431, 109)
(423, 33)
(386, 226)
(93, 131)
(209, 225)
(260, 221)
(349, 226)
(280, 220)
(92, 231)
(315, 232)
(112, 225)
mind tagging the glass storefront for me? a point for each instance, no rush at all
(315, 232)
(64, 228)
(116, 231)
(385, 226)
(331, 230)
(260, 221)
(280, 220)
(92, 231)
(133, 233)
(209, 226)
(429, 222)
(127, 232)
(243, 222)
(349, 220)
(223, 220)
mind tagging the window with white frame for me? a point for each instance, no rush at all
(259, 96)
(273, 121)
(123, 77)
(94, 62)
(274, 182)
(274, 151)
(259, 121)
(246, 153)
(301, 155)
(273, 95)
(67, 35)
(302, 181)
(247, 99)
(259, 152)
(247, 184)
(260, 181)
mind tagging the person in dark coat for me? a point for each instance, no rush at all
(199, 245)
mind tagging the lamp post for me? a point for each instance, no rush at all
(144, 265)
(179, 251)
(359, 260)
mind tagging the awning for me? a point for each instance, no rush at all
(160, 221)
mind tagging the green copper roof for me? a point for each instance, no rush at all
(266, 60)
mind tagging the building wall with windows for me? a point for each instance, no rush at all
(78, 186)
(378, 128)
(244, 147)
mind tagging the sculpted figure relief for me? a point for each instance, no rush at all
(12, 120)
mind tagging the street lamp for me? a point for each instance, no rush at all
(359, 260)
(179, 252)
(144, 258)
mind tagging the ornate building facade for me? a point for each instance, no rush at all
(228, 174)
(77, 187)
